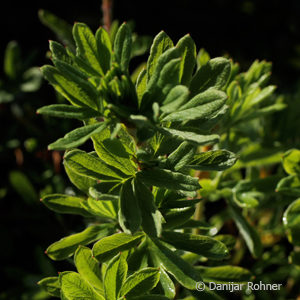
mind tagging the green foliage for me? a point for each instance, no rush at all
(160, 145)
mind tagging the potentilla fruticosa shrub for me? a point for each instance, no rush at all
(163, 147)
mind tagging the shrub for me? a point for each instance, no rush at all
(163, 151)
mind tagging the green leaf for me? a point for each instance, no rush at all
(225, 274)
(104, 49)
(22, 185)
(51, 285)
(82, 182)
(113, 153)
(115, 276)
(88, 268)
(248, 232)
(130, 217)
(74, 287)
(68, 112)
(161, 43)
(175, 98)
(151, 217)
(181, 157)
(291, 221)
(140, 282)
(187, 49)
(88, 165)
(165, 281)
(12, 60)
(122, 46)
(141, 84)
(205, 97)
(77, 137)
(65, 247)
(87, 46)
(291, 162)
(168, 179)
(149, 297)
(245, 195)
(65, 204)
(183, 272)
(152, 88)
(216, 160)
(202, 58)
(215, 73)
(60, 27)
(99, 195)
(192, 137)
(108, 247)
(289, 186)
(59, 52)
(105, 209)
(199, 244)
(176, 217)
(168, 78)
(201, 107)
(76, 90)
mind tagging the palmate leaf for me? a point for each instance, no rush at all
(175, 98)
(168, 179)
(65, 204)
(104, 49)
(130, 217)
(108, 247)
(151, 218)
(216, 160)
(114, 276)
(87, 46)
(51, 285)
(77, 137)
(122, 46)
(105, 209)
(160, 44)
(189, 136)
(187, 48)
(68, 111)
(189, 112)
(183, 272)
(176, 217)
(181, 157)
(199, 244)
(65, 247)
(215, 73)
(88, 268)
(140, 282)
(90, 166)
(76, 90)
(73, 286)
(82, 182)
(113, 153)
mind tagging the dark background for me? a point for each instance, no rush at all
(246, 30)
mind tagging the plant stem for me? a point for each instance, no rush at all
(107, 6)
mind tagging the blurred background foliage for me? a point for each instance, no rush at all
(244, 30)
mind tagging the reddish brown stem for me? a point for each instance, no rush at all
(107, 6)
